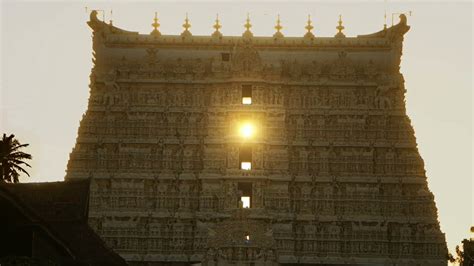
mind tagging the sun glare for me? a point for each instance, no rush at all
(246, 100)
(247, 130)
(245, 202)
(246, 165)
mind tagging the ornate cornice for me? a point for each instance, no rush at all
(114, 35)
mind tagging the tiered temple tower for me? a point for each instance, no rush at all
(254, 150)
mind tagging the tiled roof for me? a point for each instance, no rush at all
(55, 201)
(62, 208)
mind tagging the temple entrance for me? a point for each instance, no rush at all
(241, 241)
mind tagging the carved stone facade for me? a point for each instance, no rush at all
(336, 175)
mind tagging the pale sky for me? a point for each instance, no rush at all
(46, 61)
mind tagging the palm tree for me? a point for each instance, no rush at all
(12, 159)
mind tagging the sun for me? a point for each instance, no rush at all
(247, 130)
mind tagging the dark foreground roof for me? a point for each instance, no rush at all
(59, 210)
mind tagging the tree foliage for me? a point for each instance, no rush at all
(12, 159)
(458, 260)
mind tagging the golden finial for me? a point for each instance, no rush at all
(308, 28)
(186, 24)
(340, 28)
(278, 28)
(247, 26)
(155, 26)
(385, 20)
(217, 26)
(186, 27)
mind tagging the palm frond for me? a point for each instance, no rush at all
(18, 162)
(20, 169)
(12, 159)
(16, 147)
(20, 155)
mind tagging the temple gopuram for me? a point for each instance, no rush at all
(248, 150)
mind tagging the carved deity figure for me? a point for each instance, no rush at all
(246, 60)
(110, 80)
(382, 98)
(111, 95)
(233, 157)
(231, 195)
(314, 70)
(258, 158)
(199, 68)
(295, 70)
(371, 70)
(102, 156)
(342, 68)
(179, 67)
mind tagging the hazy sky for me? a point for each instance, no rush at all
(46, 62)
